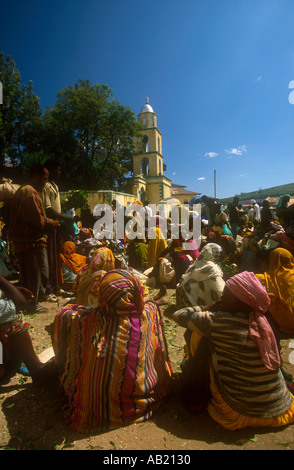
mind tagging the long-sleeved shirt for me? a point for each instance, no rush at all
(28, 222)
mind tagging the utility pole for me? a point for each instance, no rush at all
(214, 183)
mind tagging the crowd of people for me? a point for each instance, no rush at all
(233, 291)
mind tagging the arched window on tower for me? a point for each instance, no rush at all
(158, 144)
(145, 166)
(145, 142)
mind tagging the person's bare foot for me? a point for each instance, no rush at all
(161, 301)
(160, 294)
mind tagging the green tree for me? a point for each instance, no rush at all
(91, 134)
(20, 115)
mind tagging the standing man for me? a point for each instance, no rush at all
(51, 201)
(27, 232)
(256, 211)
(233, 211)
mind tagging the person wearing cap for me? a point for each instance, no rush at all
(256, 211)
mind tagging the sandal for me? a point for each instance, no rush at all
(52, 298)
(40, 309)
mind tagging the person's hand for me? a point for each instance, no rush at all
(55, 223)
(208, 306)
(28, 295)
(68, 219)
(212, 307)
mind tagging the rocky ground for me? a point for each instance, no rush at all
(31, 417)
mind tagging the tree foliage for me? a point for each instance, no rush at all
(20, 115)
(91, 135)
(88, 131)
(76, 199)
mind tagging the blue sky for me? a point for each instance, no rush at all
(217, 74)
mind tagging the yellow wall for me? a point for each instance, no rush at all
(154, 153)
(105, 197)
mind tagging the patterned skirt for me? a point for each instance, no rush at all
(231, 419)
(124, 382)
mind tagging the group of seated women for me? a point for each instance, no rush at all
(112, 355)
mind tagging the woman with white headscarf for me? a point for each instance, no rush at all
(202, 283)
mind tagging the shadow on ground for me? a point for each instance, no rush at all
(34, 420)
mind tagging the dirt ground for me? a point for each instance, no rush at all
(31, 417)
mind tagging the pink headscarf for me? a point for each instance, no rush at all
(246, 287)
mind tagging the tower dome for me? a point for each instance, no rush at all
(147, 108)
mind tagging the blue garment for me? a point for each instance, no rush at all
(68, 275)
(7, 311)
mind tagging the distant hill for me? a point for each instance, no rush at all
(260, 195)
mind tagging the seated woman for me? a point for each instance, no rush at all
(249, 259)
(221, 222)
(170, 266)
(15, 341)
(279, 283)
(137, 252)
(202, 283)
(156, 243)
(284, 239)
(70, 264)
(246, 383)
(113, 360)
(229, 246)
(87, 279)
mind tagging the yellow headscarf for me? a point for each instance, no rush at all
(156, 246)
(279, 283)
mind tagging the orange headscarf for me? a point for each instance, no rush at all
(71, 258)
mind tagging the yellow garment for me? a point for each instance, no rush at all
(279, 283)
(226, 416)
(156, 245)
(230, 419)
(72, 260)
(218, 230)
(190, 351)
